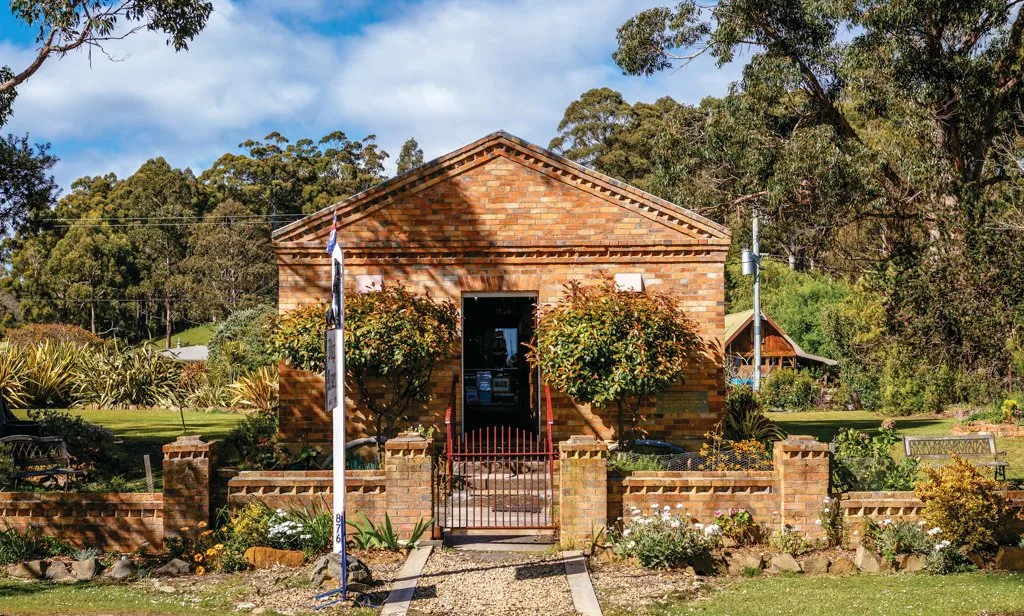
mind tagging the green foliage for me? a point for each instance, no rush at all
(966, 505)
(862, 462)
(31, 544)
(88, 444)
(117, 377)
(789, 390)
(630, 462)
(601, 345)
(891, 538)
(34, 334)
(7, 468)
(242, 343)
(370, 536)
(946, 560)
(738, 525)
(393, 340)
(317, 526)
(27, 189)
(253, 443)
(1011, 411)
(662, 540)
(789, 541)
(410, 157)
(833, 522)
(298, 337)
(257, 390)
(744, 420)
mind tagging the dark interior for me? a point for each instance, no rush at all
(498, 387)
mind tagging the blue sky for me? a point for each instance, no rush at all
(443, 71)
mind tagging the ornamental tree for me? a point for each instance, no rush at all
(602, 346)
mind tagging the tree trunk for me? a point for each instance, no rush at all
(92, 317)
(167, 321)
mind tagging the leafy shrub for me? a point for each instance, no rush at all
(16, 546)
(298, 337)
(7, 467)
(318, 529)
(738, 525)
(965, 504)
(744, 419)
(891, 538)
(198, 546)
(662, 540)
(88, 444)
(910, 386)
(789, 541)
(630, 462)
(862, 462)
(118, 377)
(242, 343)
(370, 536)
(789, 390)
(590, 347)
(945, 559)
(1012, 411)
(257, 390)
(393, 340)
(55, 333)
(721, 454)
(252, 444)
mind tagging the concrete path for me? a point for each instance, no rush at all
(404, 586)
(583, 597)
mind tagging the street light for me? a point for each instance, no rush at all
(750, 265)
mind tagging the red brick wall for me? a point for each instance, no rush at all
(501, 225)
(701, 494)
(109, 521)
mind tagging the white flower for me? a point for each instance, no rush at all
(920, 524)
(886, 522)
(631, 544)
(666, 508)
(675, 524)
(934, 531)
(712, 529)
(698, 526)
(626, 532)
(942, 545)
(654, 505)
(618, 519)
(856, 532)
(826, 510)
(679, 505)
(817, 522)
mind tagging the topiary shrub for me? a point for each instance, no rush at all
(242, 344)
(603, 346)
(55, 333)
(789, 390)
(965, 504)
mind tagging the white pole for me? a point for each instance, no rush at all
(338, 419)
(756, 248)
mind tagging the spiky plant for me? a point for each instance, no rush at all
(257, 390)
(12, 374)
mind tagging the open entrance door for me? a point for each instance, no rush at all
(499, 388)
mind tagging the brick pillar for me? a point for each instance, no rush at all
(187, 463)
(583, 490)
(802, 468)
(408, 475)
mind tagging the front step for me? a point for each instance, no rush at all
(501, 540)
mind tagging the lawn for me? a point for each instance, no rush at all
(861, 595)
(825, 424)
(146, 431)
(200, 334)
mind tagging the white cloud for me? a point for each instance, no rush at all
(445, 72)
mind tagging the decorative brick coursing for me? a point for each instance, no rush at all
(583, 490)
(502, 223)
(701, 494)
(408, 474)
(187, 475)
(365, 491)
(109, 521)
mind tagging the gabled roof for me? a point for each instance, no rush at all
(689, 224)
(739, 321)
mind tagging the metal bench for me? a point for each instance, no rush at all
(11, 425)
(40, 456)
(979, 449)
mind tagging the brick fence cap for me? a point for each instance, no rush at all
(408, 437)
(582, 439)
(190, 439)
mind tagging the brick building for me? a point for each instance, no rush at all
(498, 227)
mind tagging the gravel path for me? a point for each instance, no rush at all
(631, 589)
(492, 583)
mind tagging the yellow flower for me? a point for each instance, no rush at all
(201, 525)
(210, 552)
(198, 558)
(200, 571)
(224, 529)
(184, 529)
(219, 547)
(206, 533)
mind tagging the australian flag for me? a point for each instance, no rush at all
(332, 239)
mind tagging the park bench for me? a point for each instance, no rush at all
(40, 456)
(11, 425)
(979, 449)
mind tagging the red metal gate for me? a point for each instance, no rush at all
(498, 477)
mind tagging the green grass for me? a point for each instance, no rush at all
(824, 425)
(861, 595)
(146, 431)
(200, 334)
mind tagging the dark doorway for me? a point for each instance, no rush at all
(499, 389)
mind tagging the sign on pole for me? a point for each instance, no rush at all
(334, 381)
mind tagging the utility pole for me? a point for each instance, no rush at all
(750, 260)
